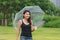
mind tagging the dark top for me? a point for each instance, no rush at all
(26, 30)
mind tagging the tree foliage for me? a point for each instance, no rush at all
(7, 7)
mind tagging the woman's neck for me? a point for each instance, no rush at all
(25, 19)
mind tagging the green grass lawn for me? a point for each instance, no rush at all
(9, 33)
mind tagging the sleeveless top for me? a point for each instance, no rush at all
(26, 30)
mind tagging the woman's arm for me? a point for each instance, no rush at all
(18, 30)
(33, 28)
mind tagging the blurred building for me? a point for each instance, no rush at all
(56, 2)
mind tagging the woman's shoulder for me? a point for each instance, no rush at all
(20, 21)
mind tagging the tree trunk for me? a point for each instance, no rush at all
(4, 20)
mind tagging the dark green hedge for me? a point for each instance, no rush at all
(52, 21)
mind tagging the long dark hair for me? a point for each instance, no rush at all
(29, 19)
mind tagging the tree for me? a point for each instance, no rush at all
(7, 7)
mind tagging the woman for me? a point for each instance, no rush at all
(26, 27)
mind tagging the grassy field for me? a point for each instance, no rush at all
(9, 33)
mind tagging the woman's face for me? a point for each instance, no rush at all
(27, 15)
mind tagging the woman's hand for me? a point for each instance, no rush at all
(16, 38)
(33, 28)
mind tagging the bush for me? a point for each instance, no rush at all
(48, 18)
(54, 24)
(52, 21)
(10, 24)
